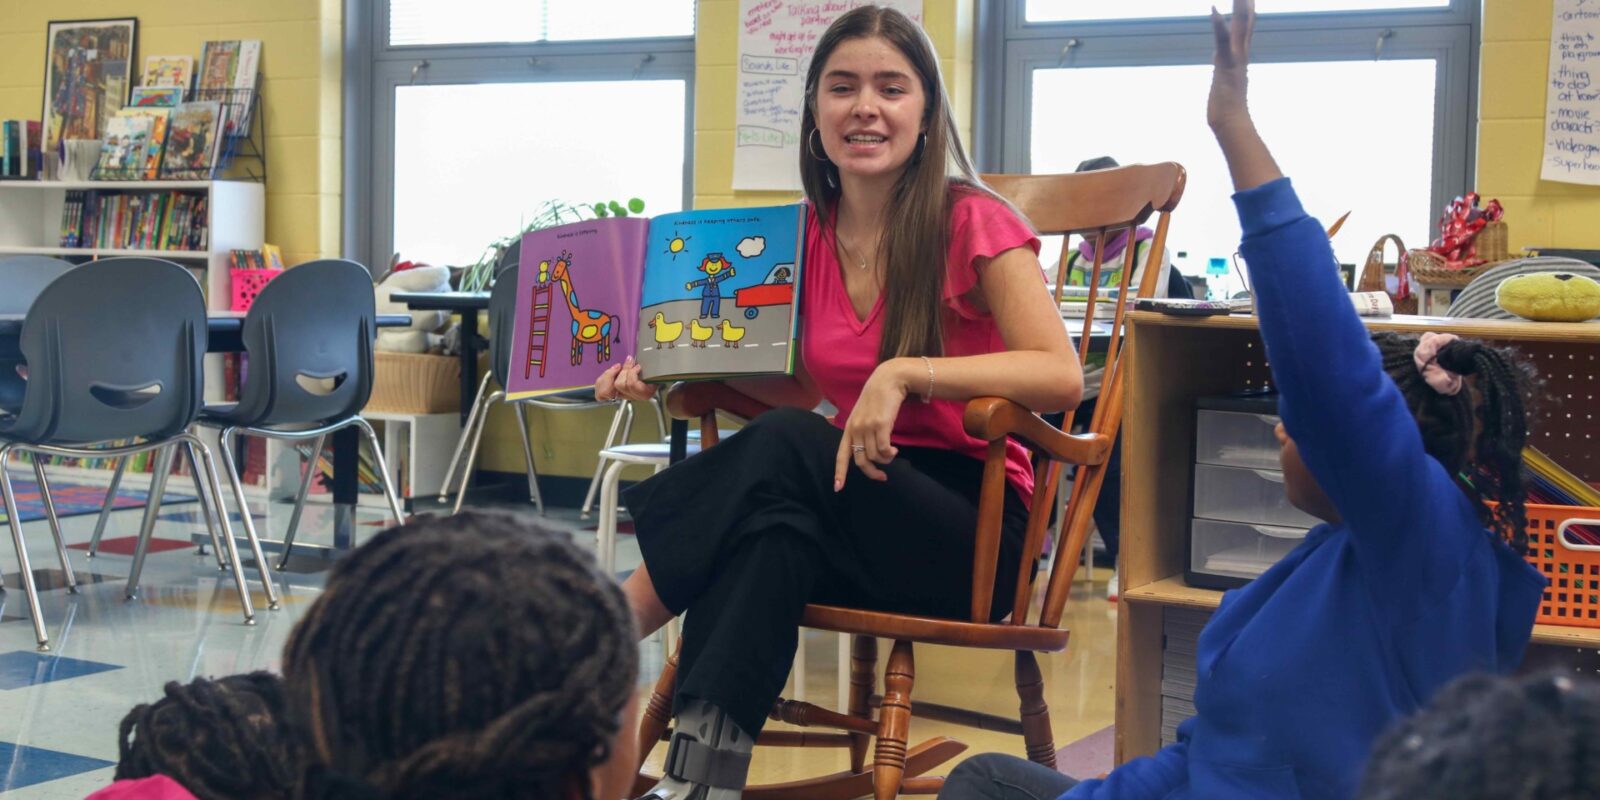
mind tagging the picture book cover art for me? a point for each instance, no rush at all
(192, 139)
(577, 290)
(693, 295)
(172, 71)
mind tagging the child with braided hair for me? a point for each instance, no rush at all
(475, 656)
(1485, 737)
(223, 739)
(1400, 444)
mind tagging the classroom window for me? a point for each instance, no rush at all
(1079, 10)
(1317, 116)
(1369, 106)
(582, 141)
(432, 22)
(463, 118)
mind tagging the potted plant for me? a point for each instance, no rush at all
(480, 276)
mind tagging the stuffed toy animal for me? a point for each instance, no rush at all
(1550, 297)
(424, 333)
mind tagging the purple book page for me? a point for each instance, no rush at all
(578, 291)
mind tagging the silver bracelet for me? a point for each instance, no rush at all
(928, 398)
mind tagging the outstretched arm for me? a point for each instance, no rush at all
(1228, 110)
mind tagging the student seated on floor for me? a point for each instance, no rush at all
(1411, 583)
(1485, 737)
(475, 656)
(223, 739)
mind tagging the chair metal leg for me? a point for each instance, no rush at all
(527, 456)
(222, 517)
(158, 488)
(55, 525)
(472, 453)
(249, 522)
(26, 569)
(300, 500)
(203, 497)
(382, 468)
(659, 404)
(105, 508)
(611, 436)
(606, 532)
(461, 443)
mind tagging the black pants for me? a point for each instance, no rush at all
(998, 777)
(745, 534)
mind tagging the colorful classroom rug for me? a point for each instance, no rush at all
(73, 499)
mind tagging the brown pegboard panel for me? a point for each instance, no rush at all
(1564, 420)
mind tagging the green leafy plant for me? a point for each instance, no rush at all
(480, 276)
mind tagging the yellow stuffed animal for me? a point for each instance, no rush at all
(1550, 297)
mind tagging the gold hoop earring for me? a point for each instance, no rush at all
(811, 145)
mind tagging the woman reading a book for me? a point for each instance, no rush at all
(922, 290)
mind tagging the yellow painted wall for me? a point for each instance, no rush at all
(301, 62)
(1511, 105)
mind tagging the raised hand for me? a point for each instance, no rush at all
(1229, 80)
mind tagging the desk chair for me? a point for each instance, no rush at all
(114, 353)
(502, 331)
(23, 277)
(1101, 202)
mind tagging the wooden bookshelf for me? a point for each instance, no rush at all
(1176, 360)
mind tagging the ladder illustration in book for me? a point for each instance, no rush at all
(540, 328)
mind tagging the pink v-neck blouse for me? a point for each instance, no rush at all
(840, 350)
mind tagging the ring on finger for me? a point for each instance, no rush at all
(859, 448)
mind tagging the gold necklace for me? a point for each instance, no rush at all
(849, 251)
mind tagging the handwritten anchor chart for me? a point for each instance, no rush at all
(1572, 108)
(776, 40)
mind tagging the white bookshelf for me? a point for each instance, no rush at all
(30, 224)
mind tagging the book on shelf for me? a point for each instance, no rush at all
(19, 149)
(229, 71)
(694, 295)
(191, 148)
(131, 149)
(134, 220)
(167, 71)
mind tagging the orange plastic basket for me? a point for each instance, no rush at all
(1573, 597)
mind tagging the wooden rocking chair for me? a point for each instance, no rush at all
(1102, 202)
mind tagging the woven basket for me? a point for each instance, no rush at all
(1494, 242)
(1373, 275)
(415, 383)
(1430, 269)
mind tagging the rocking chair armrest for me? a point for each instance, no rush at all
(994, 418)
(696, 400)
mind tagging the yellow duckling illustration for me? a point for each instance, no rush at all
(667, 333)
(731, 335)
(699, 333)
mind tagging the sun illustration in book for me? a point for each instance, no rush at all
(677, 244)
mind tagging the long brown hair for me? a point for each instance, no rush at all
(917, 221)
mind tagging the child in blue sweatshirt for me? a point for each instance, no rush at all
(1411, 582)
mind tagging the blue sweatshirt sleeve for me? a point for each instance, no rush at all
(1348, 419)
(1147, 778)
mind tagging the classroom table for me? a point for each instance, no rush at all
(224, 334)
(467, 304)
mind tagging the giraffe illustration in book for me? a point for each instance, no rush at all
(589, 326)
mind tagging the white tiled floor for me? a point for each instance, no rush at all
(186, 623)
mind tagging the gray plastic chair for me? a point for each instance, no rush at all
(502, 332)
(309, 338)
(114, 353)
(21, 280)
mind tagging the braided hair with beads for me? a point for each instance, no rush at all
(473, 656)
(1485, 736)
(1477, 434)
(224, 739)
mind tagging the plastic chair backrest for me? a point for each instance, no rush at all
(309, 336)
(114, 352)
(502, 322)
(22, 278)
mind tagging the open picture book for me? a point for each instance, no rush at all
(696, 295)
